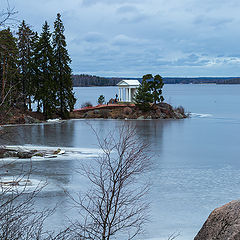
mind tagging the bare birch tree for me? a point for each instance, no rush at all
(116, 203)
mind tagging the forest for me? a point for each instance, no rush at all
(36, 68)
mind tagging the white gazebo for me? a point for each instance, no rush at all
(127, 90)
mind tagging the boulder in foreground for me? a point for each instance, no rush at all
(222, 224)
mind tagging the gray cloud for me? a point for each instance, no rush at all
(94, 37)
(126, 9)
(89, 3)
(132, 37)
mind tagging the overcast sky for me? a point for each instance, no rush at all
(130, 38)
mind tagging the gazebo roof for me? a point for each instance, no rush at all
(129, 83)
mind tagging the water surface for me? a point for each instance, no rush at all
(196, 161)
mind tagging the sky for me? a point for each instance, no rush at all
(130, 38)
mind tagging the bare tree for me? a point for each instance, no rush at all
(116, 203)
(173, 236)
(19, 219)
(6, 14)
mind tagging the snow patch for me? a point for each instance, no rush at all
(201, 115)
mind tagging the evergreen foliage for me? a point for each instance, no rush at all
(143, 96)
(26, 41)
(155, 86)
(150, 91)
(101, 99)
(8, 68)
(65, 96)
(46, 89)
(36, 68)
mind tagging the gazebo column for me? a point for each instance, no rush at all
(127, 94)
(121, 94)
(130, 96)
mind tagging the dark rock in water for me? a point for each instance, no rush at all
(222, 224)
(9, 154)
(23, 155)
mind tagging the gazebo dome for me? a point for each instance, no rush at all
(127, 90)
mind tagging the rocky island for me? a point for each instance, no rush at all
(130, 111)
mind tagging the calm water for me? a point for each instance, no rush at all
(196, 161)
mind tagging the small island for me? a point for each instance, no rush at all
(130, 111)
(135, 101)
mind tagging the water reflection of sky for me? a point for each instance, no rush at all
(195, 161)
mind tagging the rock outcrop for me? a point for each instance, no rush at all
(17, 116)
(16, 152)
(222, 224)
(124, 111)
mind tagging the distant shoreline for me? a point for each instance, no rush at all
(95, 81)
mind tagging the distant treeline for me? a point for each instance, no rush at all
(84, 80)
(202, 80)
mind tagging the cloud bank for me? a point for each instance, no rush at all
(133, 37)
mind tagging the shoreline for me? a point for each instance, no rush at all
(117, 111)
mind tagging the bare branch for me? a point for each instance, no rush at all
(116, 202)
(6, 15)
(173, 236)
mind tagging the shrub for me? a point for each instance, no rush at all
(101, 99)
(86, 104)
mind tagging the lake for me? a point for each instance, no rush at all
(196, 160)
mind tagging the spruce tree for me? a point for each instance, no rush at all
(8, 68)
(45, 73)
(65, 96)
(34, 71)
(26, 41)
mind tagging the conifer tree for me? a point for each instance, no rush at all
(63, 75)
(149, 91)
(8, 68)
(155, 86)
(26, 41)
(143, 96)
(45, 72)
(34, 71)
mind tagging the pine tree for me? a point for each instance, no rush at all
(46, 88)
(65, 94)
(8, 68)
(26, 41)
(156, 85)
(143, 96)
